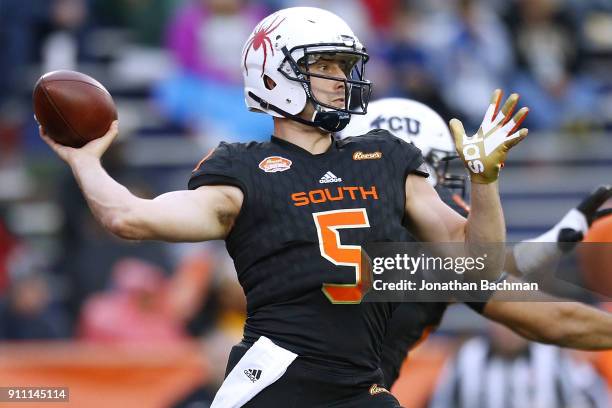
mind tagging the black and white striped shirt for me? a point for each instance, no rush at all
(541, 377)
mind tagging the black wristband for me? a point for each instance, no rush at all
(485, 296)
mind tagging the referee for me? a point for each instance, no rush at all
(506, 371)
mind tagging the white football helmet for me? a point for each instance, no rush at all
(281, 48)
(416, 123)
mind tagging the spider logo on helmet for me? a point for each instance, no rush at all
(277, 74)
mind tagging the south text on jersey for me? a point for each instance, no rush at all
(323, 195)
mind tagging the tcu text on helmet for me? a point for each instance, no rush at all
(397, 123)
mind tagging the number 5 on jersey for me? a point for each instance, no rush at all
(328, 223)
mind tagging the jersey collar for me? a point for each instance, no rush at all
(297, 149)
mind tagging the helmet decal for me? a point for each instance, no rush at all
(282, 47)
(260, 38)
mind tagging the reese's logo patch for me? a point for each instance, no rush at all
(367, 156)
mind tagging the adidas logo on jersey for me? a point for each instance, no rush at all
(330, 177)
(253, 374)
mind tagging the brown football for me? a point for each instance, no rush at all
(72, 107)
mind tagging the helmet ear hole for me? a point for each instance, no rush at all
(269, 82)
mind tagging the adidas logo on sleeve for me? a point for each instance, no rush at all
(330, 177)
(253, 374)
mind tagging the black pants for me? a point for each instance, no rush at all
(308, 385)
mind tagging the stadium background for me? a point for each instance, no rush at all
(150, 323)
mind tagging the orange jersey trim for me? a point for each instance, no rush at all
(197, 167)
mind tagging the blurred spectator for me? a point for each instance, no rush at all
(133, 310)
(381, 13)
(408, 58)
(145, 19)
(20, 22)
(63, 45)
(7, 244)
(88, 251)
(230, 325)
(472, 57)
(226, 299)
(550, 57)
(204, 292)
(506, 370)
(36, 36)
(28, 312)
(189, 285)
(206, 38)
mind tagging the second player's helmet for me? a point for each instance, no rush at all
(419, 124)
(281, 48)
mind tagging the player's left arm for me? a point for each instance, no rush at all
(533, 254)
(552, 320)
(432, 220)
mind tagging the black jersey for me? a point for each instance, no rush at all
(412, 322)
(294, 242)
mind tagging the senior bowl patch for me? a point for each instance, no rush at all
(273, 164)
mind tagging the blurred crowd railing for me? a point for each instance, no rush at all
(102, 376)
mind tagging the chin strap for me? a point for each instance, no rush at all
(330, 121)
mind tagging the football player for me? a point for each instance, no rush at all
(295, 212)
(576, 325)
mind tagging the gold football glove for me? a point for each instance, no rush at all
(484, 153)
